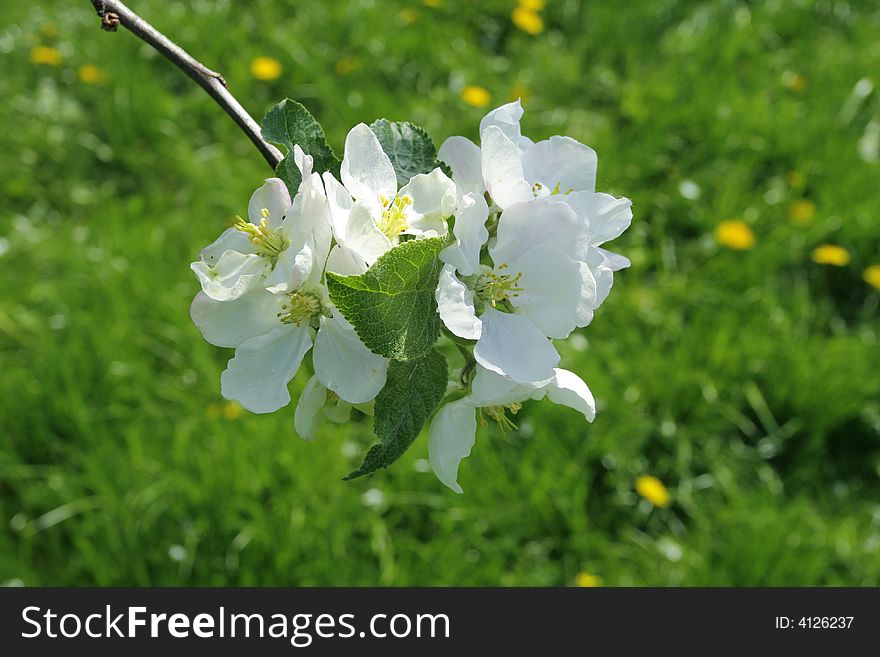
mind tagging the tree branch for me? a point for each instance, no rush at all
(114, 13)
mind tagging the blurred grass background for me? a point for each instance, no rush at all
(733, 362)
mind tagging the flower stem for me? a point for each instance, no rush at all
(114, 13)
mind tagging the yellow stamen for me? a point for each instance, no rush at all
(499, 414)
(393, 221)
(301, 307)
(269, 242)
(498, 286)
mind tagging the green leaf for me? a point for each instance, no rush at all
(392, 305)
(408, 146)
(288, 124)
(411, 393)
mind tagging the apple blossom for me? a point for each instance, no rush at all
(369, 213)
(535, 289)
(269, 248)
(453, 431)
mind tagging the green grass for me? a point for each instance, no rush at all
(747, 381)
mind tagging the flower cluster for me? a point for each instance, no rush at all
(379, 259)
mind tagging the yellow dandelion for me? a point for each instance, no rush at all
(266, 68)
(872, 276)
(347, 64)
(794, 81)
(232, 410)
(527, 20)
(735, 234)
(802, 212)
(433, 3)
(90, 74)
(45, 55)
(795, 179)
(831, 254)
(475, 96)
(586, 580)
(533, 5)
(653, 490)
(409, 15)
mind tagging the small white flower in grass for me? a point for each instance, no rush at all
(369, 213)
(453, 431)
(512, 168)
(268, 250)
(534, 289)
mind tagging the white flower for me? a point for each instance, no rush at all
(368, 212)
(268, 250)
(271, 333)
(316, 402)
(605, 218)
(453, 430)
(272, 329)
(512, 168)
(535, 289)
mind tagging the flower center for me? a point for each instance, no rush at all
(301, 307)
(393, 221)
(269, 242)
(498, 286)
(499, 415)
(540, 190)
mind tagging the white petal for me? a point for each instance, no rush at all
(463, 157)
(512, 346)
(563, 162)
(366, 171)
(292, 269)
(308, 407)
(363, 236)
(614, 261)
(433, 199)
(551, 285)
(502, 169)
(340, 411)
(232, 275)
(606, 215)
(308, 219)
(343, 363)
(538, 223)
(229, 323)
(340, 203)
(450, 439)
(274, 197)
(455, 304)
(470, 235)
(602, 275)
(303, 162)
(506, 118)
(343, 260)
(257, 377)
(231, 239)
(432, 193)
(491, 389)
(568, 389)
(589, 298)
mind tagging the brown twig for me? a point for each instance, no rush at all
(114, 13)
